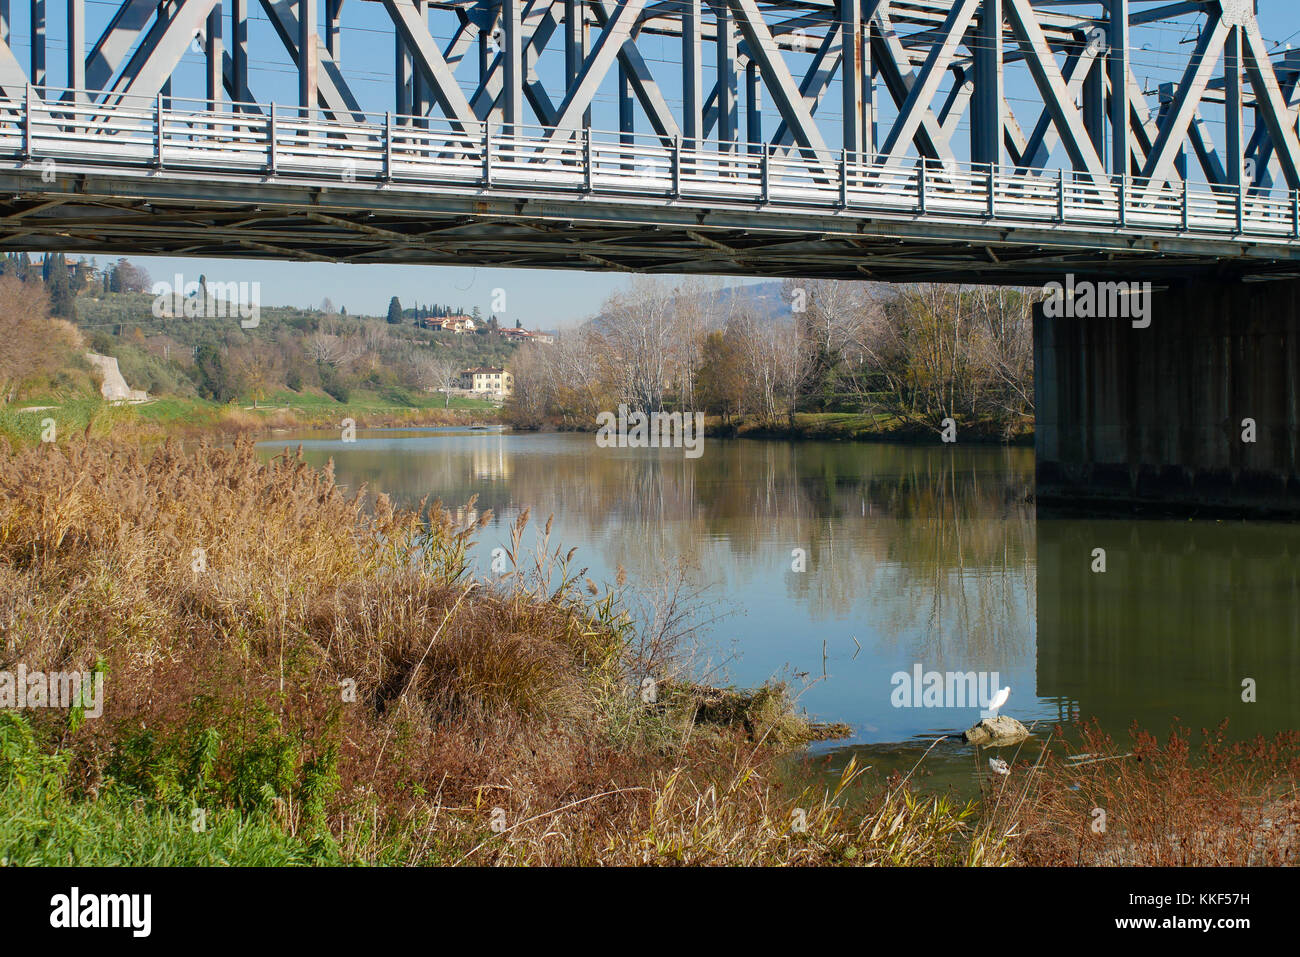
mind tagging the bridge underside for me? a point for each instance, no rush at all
(1198, 411)
(1001, 141)
(125, 213)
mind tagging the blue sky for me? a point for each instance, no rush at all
(539, 298)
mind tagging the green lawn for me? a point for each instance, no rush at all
(363, 400)
(77, 415)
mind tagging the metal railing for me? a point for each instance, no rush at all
(189, 136)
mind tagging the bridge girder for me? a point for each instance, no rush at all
(910, 74)
(937, 60)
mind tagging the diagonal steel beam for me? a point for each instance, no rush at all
(958, 100)
(1052, 87)
(821, 71)
(232, 87)
(1160, 161)
(1198, 134)
(897, 71)
(1142, 125)
(617, 31)
(641, 79)
(115, 42)
(151, 66)
(932, 72)
(1261, 144)
(1271, 106)
(1038, 147)
(414, 29)
(13, 78)
(539, 24)
(331, 88)
(776, 75)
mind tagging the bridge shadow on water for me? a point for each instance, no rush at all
(1188, 617)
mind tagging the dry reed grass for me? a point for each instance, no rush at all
(1180, 802)
(235, 604)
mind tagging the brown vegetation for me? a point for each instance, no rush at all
(32, 344)
(275, 647)
(1210, 802)
(911, 356)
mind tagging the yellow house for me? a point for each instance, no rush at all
(491, 380)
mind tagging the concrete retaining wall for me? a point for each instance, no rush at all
(114, 387)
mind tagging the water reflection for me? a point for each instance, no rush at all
(1183, 614)
(930, 556)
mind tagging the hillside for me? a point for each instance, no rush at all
(288, 350)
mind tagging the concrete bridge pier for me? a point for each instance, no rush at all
(1198, 411)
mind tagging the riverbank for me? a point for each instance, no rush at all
(864, 427)
(295, 675)
(189, 418)
(277, 666)
(847, 427)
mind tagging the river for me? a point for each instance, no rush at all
(838, 566)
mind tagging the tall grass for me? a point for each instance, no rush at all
(326, 662)
(1190, 800)
(319, 677)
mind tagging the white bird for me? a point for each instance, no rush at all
(999, 766)
(999, 699)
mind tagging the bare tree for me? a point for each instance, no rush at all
(578, 365)
(376, 337)
(639, 329)
(332, 350)
(697, 310)
(792, 363)
(437, 374)
(534, 387)
(825, 311)
(1004, 347)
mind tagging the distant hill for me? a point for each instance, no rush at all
(763, 301)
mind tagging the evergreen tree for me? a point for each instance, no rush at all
(59, 285)
(394, 311)
(214, 379)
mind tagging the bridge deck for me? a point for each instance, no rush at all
(179, 179)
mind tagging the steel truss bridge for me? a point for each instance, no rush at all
(918, 168)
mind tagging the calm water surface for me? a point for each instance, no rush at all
(915, 556)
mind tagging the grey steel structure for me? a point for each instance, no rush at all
(916, 168)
